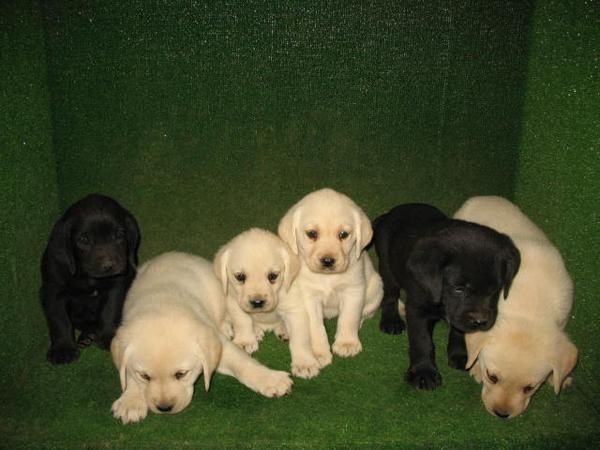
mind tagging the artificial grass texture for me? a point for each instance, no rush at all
(207, 120)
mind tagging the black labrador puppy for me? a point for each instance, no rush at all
(87, 268)
(449, 269)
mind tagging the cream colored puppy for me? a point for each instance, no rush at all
(329, 232)
(527, 345)
(256, 270)
(169, 335)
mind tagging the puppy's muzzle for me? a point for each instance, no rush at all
(327, 262)
(257, 302)
(480, 321)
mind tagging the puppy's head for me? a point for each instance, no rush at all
(255, 266)
(465, 267)
(96, 237)
(513, 365)
(164, 356)
(327, 229)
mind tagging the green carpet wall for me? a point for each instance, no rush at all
(28, 185)
(559, 160)
(206, 119)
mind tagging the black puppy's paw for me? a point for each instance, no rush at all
(424, 377)
(391, 325)
(62, 354)
(86, 339)
(458, 360)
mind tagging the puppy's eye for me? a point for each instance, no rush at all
(272, 277)
(313, 235)
(145, 376)
(493, 378)
(527, 389)
(240, 276)
(343, 235)
(180, 374)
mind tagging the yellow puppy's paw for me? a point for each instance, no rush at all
(276, 384)
(346, 349)
(227, 329)
(248, 345)
(307, 367)
(129, 409)
(323, 356)
(259, 333)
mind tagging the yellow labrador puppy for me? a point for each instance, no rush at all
(329, 232)
(256, 270)
(170, 334)
(527, 345)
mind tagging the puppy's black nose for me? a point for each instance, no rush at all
(257, 303)
(479, 320)
(327, 262)
(476, 323)
(500, 413)
(164, 408)
(107, 265)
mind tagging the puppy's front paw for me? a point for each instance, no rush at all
(281, 333)
(63, 354)
(129, 409)
(305, 367)
(347, 348)
(391, 325)
(424, 377)
(458, 360)
(259, 333)
(275, 383)
(323, 356)
(86, 339)
(249, 345)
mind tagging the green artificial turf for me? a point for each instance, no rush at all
(207, 119)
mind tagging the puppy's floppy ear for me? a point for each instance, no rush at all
(133, 238)
(288, 226)
(563, 361)
(209, 351)
(426, 263)
(510, 260)
(475, 343)
(291, 266)
(364, 230)
(121, 351)
(60, 247)
(220, 267)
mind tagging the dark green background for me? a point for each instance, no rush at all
(207, 119)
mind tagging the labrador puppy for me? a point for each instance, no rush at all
(329, 232)
(87, 267)
(256, 270)
(449, 269)
(527, 345)
(170, 334)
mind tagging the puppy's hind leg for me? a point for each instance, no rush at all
(237, 363)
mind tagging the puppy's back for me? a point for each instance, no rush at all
(176, 280)
(501, 215)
